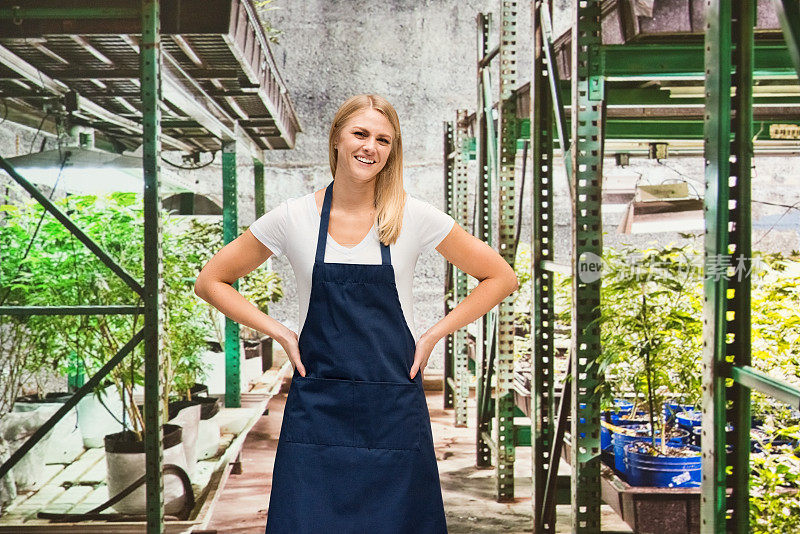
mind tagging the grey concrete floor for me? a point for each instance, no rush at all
(468, 492)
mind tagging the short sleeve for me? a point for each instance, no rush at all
(270, 228)
(434, 225)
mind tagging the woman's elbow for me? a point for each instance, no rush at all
(513, 282)
(508, 279)
(200, 287)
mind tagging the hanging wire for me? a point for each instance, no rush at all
(191, 167)
(38, 130)
(788, 207)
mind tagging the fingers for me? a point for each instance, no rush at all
(414, 369)
(419, 365)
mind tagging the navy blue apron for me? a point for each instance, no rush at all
(355, 452)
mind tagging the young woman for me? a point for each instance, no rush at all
(355, 451)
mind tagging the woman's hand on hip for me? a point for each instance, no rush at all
(290, 343)
(425, 345)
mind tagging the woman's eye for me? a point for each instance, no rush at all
(384, 141)
(360, 134)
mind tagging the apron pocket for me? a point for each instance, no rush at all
(387, 415)
(319, 411)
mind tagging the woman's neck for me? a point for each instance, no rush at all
(353, 196)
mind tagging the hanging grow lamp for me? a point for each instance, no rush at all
(89, 170)
(662, 208)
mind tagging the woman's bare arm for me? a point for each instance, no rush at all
(213, 284)
(497, 280)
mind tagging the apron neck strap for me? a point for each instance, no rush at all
(322, 238)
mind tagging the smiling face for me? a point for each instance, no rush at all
(364, 145)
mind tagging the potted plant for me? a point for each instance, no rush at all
(261, 287)
(651, 339)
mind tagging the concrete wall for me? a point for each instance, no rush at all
(421, 56)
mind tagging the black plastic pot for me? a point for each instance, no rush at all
(266, 353)
(56, 396)
(252, 348)
(209, 406)
(126, 442)
(198, 390)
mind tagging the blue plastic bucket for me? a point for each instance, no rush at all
(643, 434)
(605, 433)
(622, 407)
(689, 420)
(672, 409)
(620, 440)
(663, 471)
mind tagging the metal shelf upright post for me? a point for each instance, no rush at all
(586, 156)
(728, 151)
(153, 281)
(448, 385)
(485, 147)
(542, 280)
(461, 378)
(507, 229)
(230, 230)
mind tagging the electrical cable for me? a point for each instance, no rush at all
(38, 129)
(191, 167)
(788, 207)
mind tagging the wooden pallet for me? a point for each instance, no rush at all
(80, 486)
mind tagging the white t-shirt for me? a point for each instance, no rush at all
(292, 227)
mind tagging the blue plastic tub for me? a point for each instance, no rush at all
(605, 433)
(672, 409)
(689, 421)
(622, 407)
(663, 471)
(619, 442)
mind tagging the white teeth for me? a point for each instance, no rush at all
(364, 160)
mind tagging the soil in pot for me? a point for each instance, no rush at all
(125, 463)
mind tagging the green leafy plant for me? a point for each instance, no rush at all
(651, 327)
(261, 286)
(56, 269)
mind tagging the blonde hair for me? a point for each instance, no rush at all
(390, 196)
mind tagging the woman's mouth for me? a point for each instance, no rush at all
(363, 160)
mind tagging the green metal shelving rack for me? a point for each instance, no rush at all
(598, 75)
(151, 292)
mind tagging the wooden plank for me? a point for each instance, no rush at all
(37, 501)
(98, 496)
(73, 472)
(67, 500)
